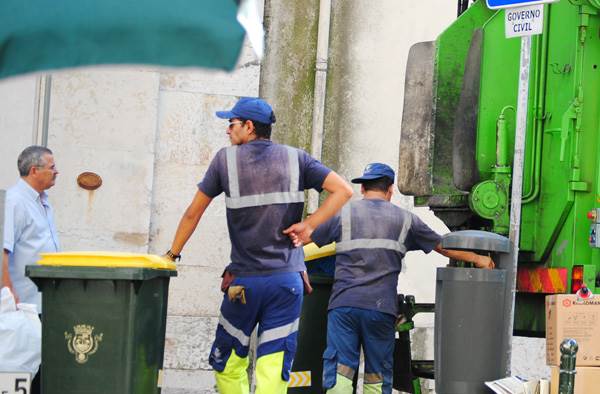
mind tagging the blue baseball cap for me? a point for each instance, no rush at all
(250, 108)
(375, 171)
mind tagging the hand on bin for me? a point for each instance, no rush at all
(401, 319)
(171, 256)
(485, 262)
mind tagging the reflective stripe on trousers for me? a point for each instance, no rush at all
(347, 243)
(273, 334)
(235, 200)
(279, 332)
(273, 302)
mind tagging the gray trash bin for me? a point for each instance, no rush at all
(471, 343)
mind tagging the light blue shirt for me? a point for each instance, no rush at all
(28, 231)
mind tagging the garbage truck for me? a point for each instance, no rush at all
(458, 139)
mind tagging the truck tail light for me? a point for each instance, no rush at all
(576, 278)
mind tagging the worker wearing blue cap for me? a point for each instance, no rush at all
(264, 187)
(372, 236)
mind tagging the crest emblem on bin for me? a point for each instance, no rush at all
(83, 344)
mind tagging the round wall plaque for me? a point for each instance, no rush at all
(89, 181)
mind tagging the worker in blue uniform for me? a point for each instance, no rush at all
(264, 187)
(372, 236)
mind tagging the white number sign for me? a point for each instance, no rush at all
(14, 383)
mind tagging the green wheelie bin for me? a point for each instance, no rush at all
(103, 321)
(307, 368)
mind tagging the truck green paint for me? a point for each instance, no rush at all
(474, 89)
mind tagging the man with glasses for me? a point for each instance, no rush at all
(29, 225)
(264, 187)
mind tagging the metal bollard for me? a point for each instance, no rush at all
(568, 355)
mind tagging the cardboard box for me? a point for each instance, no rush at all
(587, 380)
(568, 317)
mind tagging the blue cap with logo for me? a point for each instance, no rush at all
(375, 171)
(250, 108)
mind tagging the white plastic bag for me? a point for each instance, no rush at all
(20, 335)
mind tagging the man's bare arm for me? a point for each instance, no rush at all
(480, 261)
(189, 221)
(6, 282)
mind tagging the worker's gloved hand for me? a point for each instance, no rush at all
(307, 287)
(484, 262)
(228, 278)
(237, 293)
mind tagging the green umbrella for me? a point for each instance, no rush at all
(38, 35)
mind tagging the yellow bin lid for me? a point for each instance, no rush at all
(313, 252)
(106, 260)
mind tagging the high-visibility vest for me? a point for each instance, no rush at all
(349, 243)
(235, 200)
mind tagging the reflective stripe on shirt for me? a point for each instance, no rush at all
(347, 243)
(235, 201)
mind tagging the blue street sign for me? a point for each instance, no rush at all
(499, 4)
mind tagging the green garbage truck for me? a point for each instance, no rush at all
(458, 139)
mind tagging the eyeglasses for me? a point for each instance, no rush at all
(51, 168)
(231, 124)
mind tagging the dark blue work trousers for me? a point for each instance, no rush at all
(349, 329)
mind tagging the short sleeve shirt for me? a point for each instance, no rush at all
(28, 231)
(367, 276)
(258, 245)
